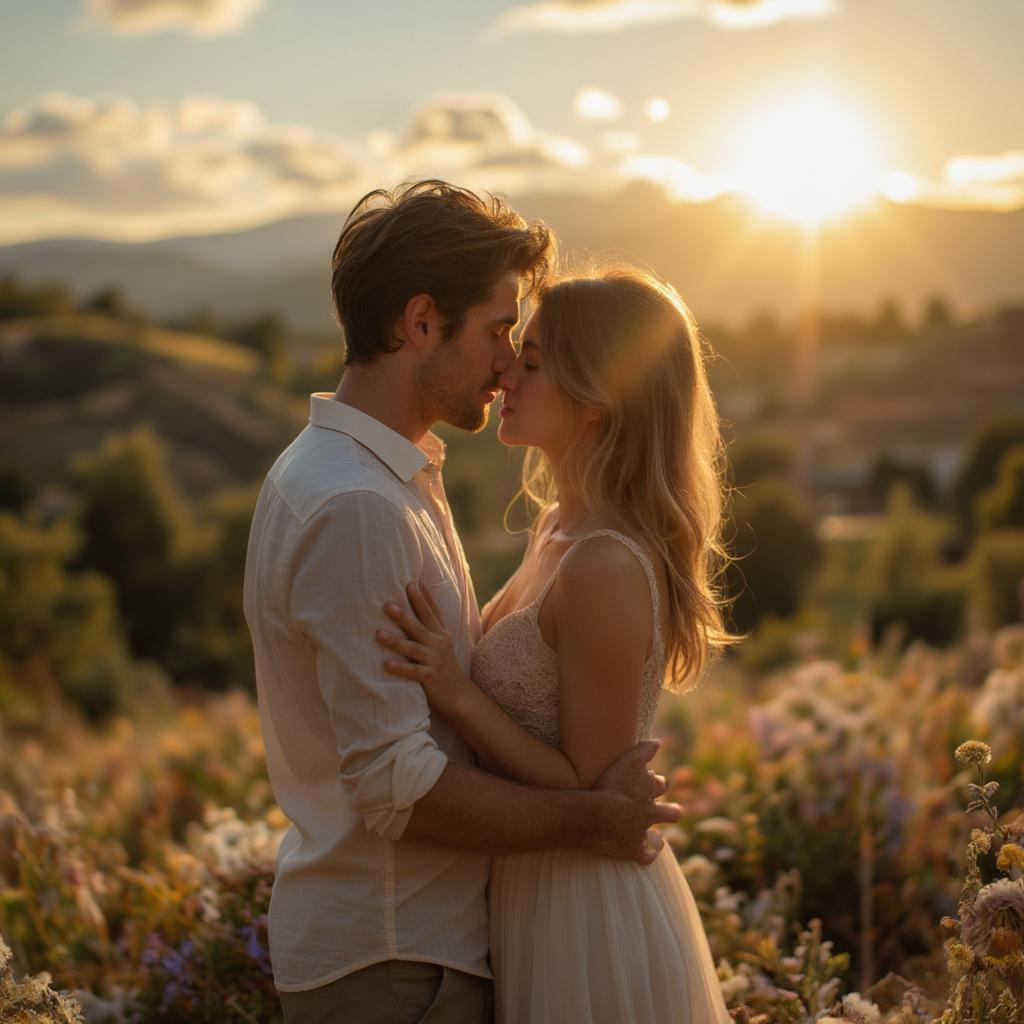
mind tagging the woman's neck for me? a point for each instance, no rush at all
(572, 508)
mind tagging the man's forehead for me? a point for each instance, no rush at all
(504, 301)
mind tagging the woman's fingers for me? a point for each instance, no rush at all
(425, 590)
(407, 670)
(407, 648)
(414, 629)
(424, 607)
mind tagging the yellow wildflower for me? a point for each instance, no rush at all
(959, 958)
(1010, 856)
(973, 752)
(980, 840)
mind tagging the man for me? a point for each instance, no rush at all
(378, 910)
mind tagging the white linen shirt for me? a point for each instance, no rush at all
(349, 513)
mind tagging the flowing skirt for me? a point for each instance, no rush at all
(581, 939)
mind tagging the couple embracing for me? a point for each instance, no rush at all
(471, 810)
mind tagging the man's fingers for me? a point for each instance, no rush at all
(666, 813)
(660, 785)
(644, 751)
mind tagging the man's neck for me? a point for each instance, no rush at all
(386, 398)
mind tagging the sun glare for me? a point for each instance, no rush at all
(807, 158)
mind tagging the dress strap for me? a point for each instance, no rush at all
(658, 647)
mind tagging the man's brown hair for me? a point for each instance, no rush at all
(432, 238)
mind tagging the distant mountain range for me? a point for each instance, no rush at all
(728, 260)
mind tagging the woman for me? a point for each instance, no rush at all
(614, 599)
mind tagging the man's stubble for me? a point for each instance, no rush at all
(445, 390)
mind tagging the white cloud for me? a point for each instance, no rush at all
(594, 104)
(619, 142)
(657, 109)
(612, 15)
(591, 15)
(678, 179)
(759, 13)
(114, 168)
(994, 183)
(487, 141)
(201, 17)
(1003, 168)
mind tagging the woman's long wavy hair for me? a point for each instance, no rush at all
(624, 342)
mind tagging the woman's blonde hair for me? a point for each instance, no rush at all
(624, 342)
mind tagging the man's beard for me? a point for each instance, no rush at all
(443, 390)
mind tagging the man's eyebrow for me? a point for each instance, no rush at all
(511, 319)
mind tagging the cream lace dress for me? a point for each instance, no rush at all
(578, 938)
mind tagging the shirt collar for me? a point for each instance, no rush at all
(398, 453)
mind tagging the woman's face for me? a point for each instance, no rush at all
(533, 411)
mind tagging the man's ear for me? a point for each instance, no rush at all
(420, 324)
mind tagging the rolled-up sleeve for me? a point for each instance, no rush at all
(353, 556)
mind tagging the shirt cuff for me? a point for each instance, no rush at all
(385, 791)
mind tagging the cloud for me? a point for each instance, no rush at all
(487, 141)
(114, 168)
(759, 13)
(593, 104)
(657, 109)
(679, 180)
(619, 142)
(200, 17)
(1004, 168)
(994, 183)
(612, 15)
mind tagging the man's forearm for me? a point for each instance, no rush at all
(472, 811)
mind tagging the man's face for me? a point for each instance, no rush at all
(459, 381)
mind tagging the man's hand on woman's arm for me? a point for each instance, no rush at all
(472, 811)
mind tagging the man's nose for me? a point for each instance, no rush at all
(504, 356)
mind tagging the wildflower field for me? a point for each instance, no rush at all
(853, 835)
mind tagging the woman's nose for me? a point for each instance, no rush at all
(508, 377)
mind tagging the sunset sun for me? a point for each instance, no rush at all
(807, 158)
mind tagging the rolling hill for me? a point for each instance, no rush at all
(728, 260)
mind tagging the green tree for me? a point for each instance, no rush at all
(212, 645)
(887, 471)
(268, 335)
(776, 542)
(15, 489)
(107, 301)
(991, 441)
(1002, 505)
(889, 321)
(905, 581)
(19, 300)
(997, 577)
(937, 314)
(760, 458)
(134, 525)
(59, 634)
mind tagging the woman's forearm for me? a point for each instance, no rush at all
(504, 747)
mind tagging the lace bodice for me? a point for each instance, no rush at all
(515, 667)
